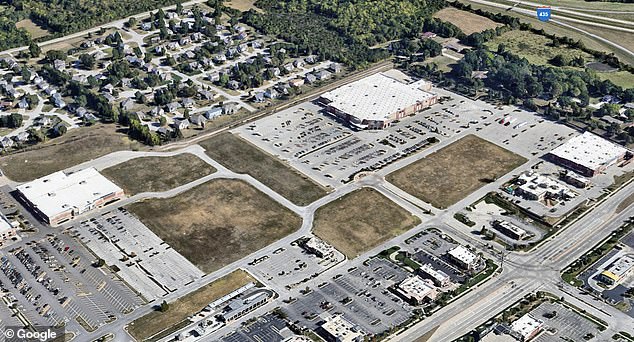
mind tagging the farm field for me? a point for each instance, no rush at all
(149, 174)
(361, 220)
(217, 222)
(466, 21)
(453, 172)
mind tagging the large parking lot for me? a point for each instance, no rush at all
(360, 295)
(430, 247)
(566, 325)
(267, 328)
(331, 153)
(145, 261)
(328, 151)
(53, 281)
(292, 266)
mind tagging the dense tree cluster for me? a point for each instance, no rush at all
(345, 31)
(13, 120)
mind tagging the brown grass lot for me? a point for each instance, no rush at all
(450, 174)
(151, 324)
(360, 221)
(77, 146)
(240, 156)
(467, 22)
(217, 222)
(242, 5)
(157, 173)
(32, 28)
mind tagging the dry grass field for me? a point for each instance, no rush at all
(242, 5)
(467, 22)
(77, 146)
(31, 28)
(217, 222)
(157, 173)
(360, 221)
(453, 172)
(163, 323)
(240, 156)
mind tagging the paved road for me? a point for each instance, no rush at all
(556, 21)
(558, 10)
(523, 273)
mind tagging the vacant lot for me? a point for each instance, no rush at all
(242, 5)
(535, 48)
(30, 27)
(157, 173)
(77, 146)
(624, 79)
(361, 220)
(242, 157)
(164, 322)
(450, 174)
(467, 22)
(217, 222)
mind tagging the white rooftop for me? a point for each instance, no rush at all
(5, 225)
(341, 329)
(621, 266)
(589, 150)
(526, 325)
(58, 192)
(463, 254)
(417, 287)
(434, 273)
(538, 185)
(376, 97)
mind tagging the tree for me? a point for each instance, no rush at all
(163, 121)
(15, 120)
(179, 8)
(131, 22)
(53, 55)
(88, 61)
(34, 49)
(164, 307)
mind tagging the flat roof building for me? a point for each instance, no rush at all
(245, 303)
(439, 277)
(509, 229)
(417, 290)
(59, 197)
(463, 258)
(587, 154)
(537, 187)
(618, 270)
(7, 229)
(375, 101)
(526, 327)
(338, 329)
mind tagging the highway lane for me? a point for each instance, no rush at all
(555, 19)
(558, 10)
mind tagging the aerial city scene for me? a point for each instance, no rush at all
(317, 170)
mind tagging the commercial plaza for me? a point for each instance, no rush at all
(529, 271)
